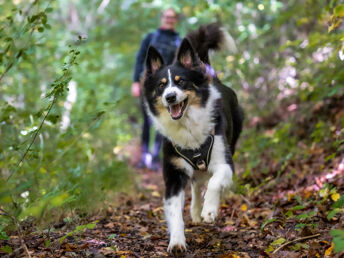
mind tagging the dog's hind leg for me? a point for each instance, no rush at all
(175, 181)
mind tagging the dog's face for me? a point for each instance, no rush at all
(172, 90)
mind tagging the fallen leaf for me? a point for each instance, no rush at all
(155, 194)
(107, 251)
(70, 247)
(328, 251)
(229, 228)
(109, 225)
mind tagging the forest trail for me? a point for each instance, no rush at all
(136, 227)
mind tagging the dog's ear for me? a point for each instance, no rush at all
(187, 56)
(154, 61)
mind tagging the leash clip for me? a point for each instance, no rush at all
(201, 165)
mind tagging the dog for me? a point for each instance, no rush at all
(200, 120)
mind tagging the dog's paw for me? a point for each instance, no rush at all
(209, 216)
(177, 249)
(196, 221)
(196, 218)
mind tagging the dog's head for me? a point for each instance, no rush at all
(172, 90)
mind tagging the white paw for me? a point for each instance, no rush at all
(177, 247)
(209, 215)
(196, 218)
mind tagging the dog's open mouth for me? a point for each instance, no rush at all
(177, 110)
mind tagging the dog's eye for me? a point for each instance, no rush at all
(161, 86)
(181, 82)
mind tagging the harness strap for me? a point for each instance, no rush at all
(198, 158)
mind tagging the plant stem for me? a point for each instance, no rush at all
(33, 139)
(20, 233)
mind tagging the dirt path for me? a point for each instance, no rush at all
(136, 228)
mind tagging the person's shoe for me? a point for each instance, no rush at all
(146, 161)
(140, 165)
(156, 164)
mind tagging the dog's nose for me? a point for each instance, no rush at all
(171, 97)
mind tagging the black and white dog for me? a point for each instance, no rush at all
(200, 120)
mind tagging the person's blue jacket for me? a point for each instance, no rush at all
(165, 41)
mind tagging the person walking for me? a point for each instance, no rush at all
(166, 40)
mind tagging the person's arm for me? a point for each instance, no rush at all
(140, 57)
(139, 65)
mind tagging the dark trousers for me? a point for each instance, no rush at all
(146, 135)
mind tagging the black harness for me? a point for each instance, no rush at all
(198, 158)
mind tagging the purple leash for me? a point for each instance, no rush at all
(210, 70)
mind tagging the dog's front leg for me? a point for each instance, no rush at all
(196, 203)
(221, 178)
(175, 181)
(197, 182)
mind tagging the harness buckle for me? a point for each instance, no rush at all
(201, 165)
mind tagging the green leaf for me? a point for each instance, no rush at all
(299, 246)
(112, 236)
(47, 243)
(306, 215)
(3, 235)
(91, 225)
(278, 241)
(266, 223)
(300, 225)
(333, 213)
(64, 237)
(40, 29)
(6, 249)
(338, 239)
(339, 10)
(298, 199)
(297, 207)
(339, 203)
(47, 26)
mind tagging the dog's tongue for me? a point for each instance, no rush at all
(175, 110)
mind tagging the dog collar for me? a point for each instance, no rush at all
(198, 158)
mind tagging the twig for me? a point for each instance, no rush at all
(295, 240)
(20, 234)
(234, 209)
(33, 139)
(6, 70)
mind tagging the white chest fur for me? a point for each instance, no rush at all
(193, 128)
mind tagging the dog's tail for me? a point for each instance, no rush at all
(211, 37)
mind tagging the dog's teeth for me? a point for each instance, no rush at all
(175, 110)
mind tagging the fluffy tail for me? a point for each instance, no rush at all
(211, 37)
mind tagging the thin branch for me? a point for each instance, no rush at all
(20, 233)
(6, 70)
(33, 139)
(295, 240)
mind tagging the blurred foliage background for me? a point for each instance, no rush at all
(66, 110)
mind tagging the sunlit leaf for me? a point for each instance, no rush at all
(338, 239)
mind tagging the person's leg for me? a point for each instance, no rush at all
(156, 159)
(145, 156)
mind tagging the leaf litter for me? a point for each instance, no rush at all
(286, 216)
